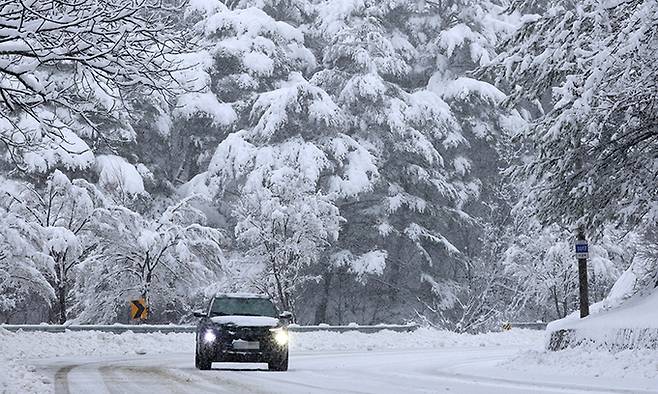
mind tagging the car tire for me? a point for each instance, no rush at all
(279, 362)
(202, 361)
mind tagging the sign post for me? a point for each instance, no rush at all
(582, 254)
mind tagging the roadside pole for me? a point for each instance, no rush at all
(582, 253)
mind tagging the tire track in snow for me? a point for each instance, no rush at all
(61, 379)
(354, 372)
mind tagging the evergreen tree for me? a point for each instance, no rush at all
(397, 69)
(596, 63)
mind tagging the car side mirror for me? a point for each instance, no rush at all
(286, 315)
(200, 313)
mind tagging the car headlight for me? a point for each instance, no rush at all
(209, 336)
(280, 336)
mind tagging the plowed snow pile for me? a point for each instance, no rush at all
(616, 341)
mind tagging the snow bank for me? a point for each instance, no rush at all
(17, 350)
(619, 340)
(612, 326)
(611, 339)
(640, 311)
(584, 361)
(423, 338)
(21, 345)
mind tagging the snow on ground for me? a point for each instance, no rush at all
(585, 361)
(615, 340)
(423, 338)
(17, 350)
(21, 345)
(616, 323)
(640, 311)
(36, 345)
(17, 377)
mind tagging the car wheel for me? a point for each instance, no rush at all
(202, 361)
(279, 362)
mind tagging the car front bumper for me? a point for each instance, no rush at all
(224, 348)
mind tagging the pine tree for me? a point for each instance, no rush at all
(397, 69)
(280, 174)
(592, 69)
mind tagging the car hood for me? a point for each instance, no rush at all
(246, 321)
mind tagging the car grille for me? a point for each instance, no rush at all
(248, 333)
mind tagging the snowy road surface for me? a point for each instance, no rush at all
(449, 370)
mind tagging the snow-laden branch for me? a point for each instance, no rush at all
(81, 57)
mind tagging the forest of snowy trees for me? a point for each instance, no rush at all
(358, 160)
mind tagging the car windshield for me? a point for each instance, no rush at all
(242, 306)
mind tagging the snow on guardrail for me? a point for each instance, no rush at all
(355, 327)
(527, 325)
(167, 328)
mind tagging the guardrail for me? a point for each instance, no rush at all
(171, 328)
(114, 328)
(526, 325)
(351, 327)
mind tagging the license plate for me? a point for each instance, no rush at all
(245, 345)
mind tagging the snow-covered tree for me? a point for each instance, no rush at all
(293, 12)
(285, 173)
(397, 69)
(589, 68)
(281, 173)
(542, 261)
(284, 233)
(165, 261)
(120, 181)
(24, 268)
(59, 214)
(66, 65)
(642, 274)
(351, 154)
(592, 70)
(241, 53)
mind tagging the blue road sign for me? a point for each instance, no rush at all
(582, 249)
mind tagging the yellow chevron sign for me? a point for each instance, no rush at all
(138, 309)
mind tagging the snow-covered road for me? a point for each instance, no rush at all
(450, 370)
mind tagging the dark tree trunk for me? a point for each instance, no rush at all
(394, 269)
(557, 304)
(61, 300)
(279, 286)
(321, 310)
